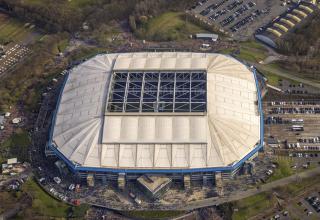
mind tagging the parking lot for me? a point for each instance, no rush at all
(312, 204)
(240, 18)
(12, 55)
(292, 129)
(296, 88)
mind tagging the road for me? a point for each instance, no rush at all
(251, 192)
(286, 74)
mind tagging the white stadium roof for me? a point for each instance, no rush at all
(87, 134)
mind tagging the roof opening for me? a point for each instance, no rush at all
(152, 91)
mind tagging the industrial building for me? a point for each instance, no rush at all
(279, 27)
(205, 36)
(185, 115)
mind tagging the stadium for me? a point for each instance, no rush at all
(174, 113)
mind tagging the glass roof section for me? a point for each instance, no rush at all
(157, 92)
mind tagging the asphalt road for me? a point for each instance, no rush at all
(251, 192)
(287, 75)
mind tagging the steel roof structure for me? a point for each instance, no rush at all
(158, 112)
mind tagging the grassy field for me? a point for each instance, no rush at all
(252, 206)
(12, 30)
(72, 3)
(283, 170)
(256, 204)
(43, 204)
(10, 198)
(273, 79)
(251, 54)
(250, 51)
(17, 146)
(153, 214)
(170, 26)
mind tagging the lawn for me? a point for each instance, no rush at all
(251, 54)
(273, 79)
(254, 44)
(72, 3)
(43, 204)
(16, 146)
(170, 26)
(153, 214)
(10, 197)
(283, 170)
(12, 30)
(252, 205)
(250, 51)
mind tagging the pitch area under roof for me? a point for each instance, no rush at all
(157, 91)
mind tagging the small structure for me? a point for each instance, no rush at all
(219, 183)
(7, 114)
(12, 161)
(248, 168)
(121, 181)
(90, 180)
(16, 120)
(272, 142)
(62, 167)
(186, 181)
(154, 185)
(2, 119)
(13, 166)
(205, 36)
(85, 26)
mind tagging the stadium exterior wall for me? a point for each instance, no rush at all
(227, 169)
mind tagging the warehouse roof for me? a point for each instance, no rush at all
(214, 37)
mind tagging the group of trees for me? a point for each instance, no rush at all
(67, 17)
(25, 82)
(304, 41)
(146, 9)
(60, 15)
(303, 46)
(52, 16)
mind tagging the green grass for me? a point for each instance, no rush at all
(226, 51)
(254, 44)
(283, 170)
(273, 79)
(85, 53)
(16, 146)
(252, 206)
(62, 45)
(12, 30)
(43, 204)
(295, 188)
(72, 3)
(153, 214)
(250, 51)
(251, 55)
(170, 26)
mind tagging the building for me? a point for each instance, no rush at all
(171, 113)
(2, 120)
(204, 36)
(12, 161)
(277, 30)
(154, 186)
